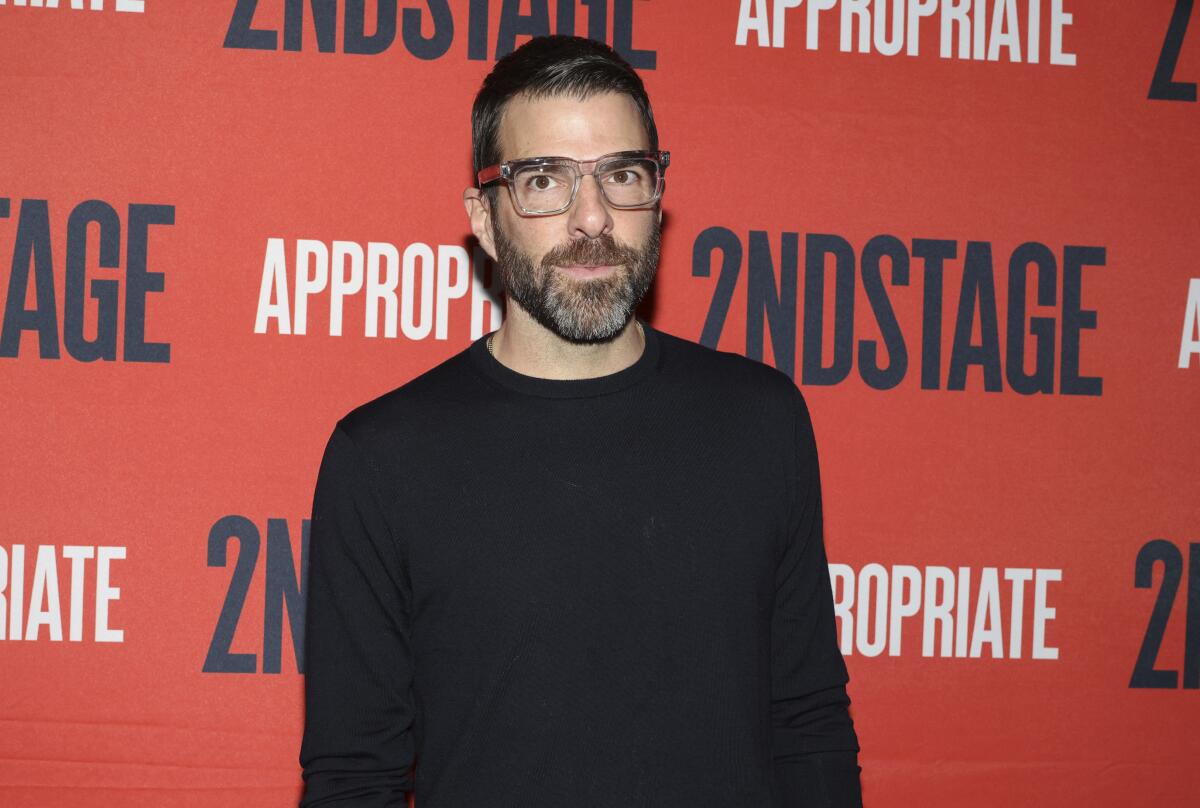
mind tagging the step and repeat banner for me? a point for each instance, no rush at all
(968, 229)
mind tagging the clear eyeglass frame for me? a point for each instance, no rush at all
(506, 171)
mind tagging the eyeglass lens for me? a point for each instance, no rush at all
(626, 182)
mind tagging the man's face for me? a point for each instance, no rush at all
(580, 273)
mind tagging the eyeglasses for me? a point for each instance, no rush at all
(544, 186)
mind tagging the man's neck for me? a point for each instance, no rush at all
(526, 346)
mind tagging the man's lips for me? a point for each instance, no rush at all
(587, 270)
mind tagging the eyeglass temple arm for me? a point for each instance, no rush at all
(489, 175)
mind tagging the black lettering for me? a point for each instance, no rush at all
(597, 20)
(1191, 647)
(934, 252)
(513, 24)
(885, 315)
(564, 18)
(355, 38)
(437, 43)
(1163, 86)
(710, 240)
(324, 13)
(241, 35)
(817, 247)
(779, 306)
(1075, 319)
(139, 281)
(978, 293)
(105, 291)
(282, 589)
(477, 30)
(1042, 328)
(1192, 630)
(623, 38)
(31, 252)
(1144, 672)
(219, 658)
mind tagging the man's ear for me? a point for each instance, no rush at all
(479, 212)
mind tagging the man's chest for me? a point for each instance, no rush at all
(620, 523)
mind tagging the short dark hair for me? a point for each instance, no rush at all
(549, 66)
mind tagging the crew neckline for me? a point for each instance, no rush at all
(495, 371)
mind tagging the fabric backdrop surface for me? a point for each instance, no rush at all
(966, 228)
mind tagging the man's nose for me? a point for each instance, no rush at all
(589, 213)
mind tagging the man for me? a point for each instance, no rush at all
(579, 564)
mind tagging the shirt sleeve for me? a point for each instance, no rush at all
(814, 745)
(358, 728)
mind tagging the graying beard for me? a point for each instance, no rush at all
(584, 312)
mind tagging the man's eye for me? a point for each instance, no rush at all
(624, 176)
(541, 182)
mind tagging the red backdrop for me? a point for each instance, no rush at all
(152, 152)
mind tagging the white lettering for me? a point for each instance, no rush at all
(448, 290)
(43, 599)
(307, 250)
(841, 579)
(16, 592)
(1034, 23)
(45, 603)
(986, 628)
(982, 32)
(777, 23)
(1006, 32)
(871, 607)
(873, 580)
(756, 22)
(1043, 613)
(916, 10)
(1018, 577)
(339, 285)
(938, 611)
(137, 6)
(105, 593)
(883, 44)
(484, 295)
(954, 17)
(3, 577)
(904, 579)
(408, 323)
(410, 292)
(1059, 19)
(852, 11)
(382, 288)
(979, 44)
(964, 600)
(274, 279)
(78, 556)
(1189, 343)
(812, 32)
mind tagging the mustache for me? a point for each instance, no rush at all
(603, 250)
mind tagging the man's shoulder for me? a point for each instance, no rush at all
(723, 373)
(417, 401)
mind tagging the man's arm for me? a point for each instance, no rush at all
(814, 745)
(358, 744)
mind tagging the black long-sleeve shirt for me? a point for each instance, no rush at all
(567, 594)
